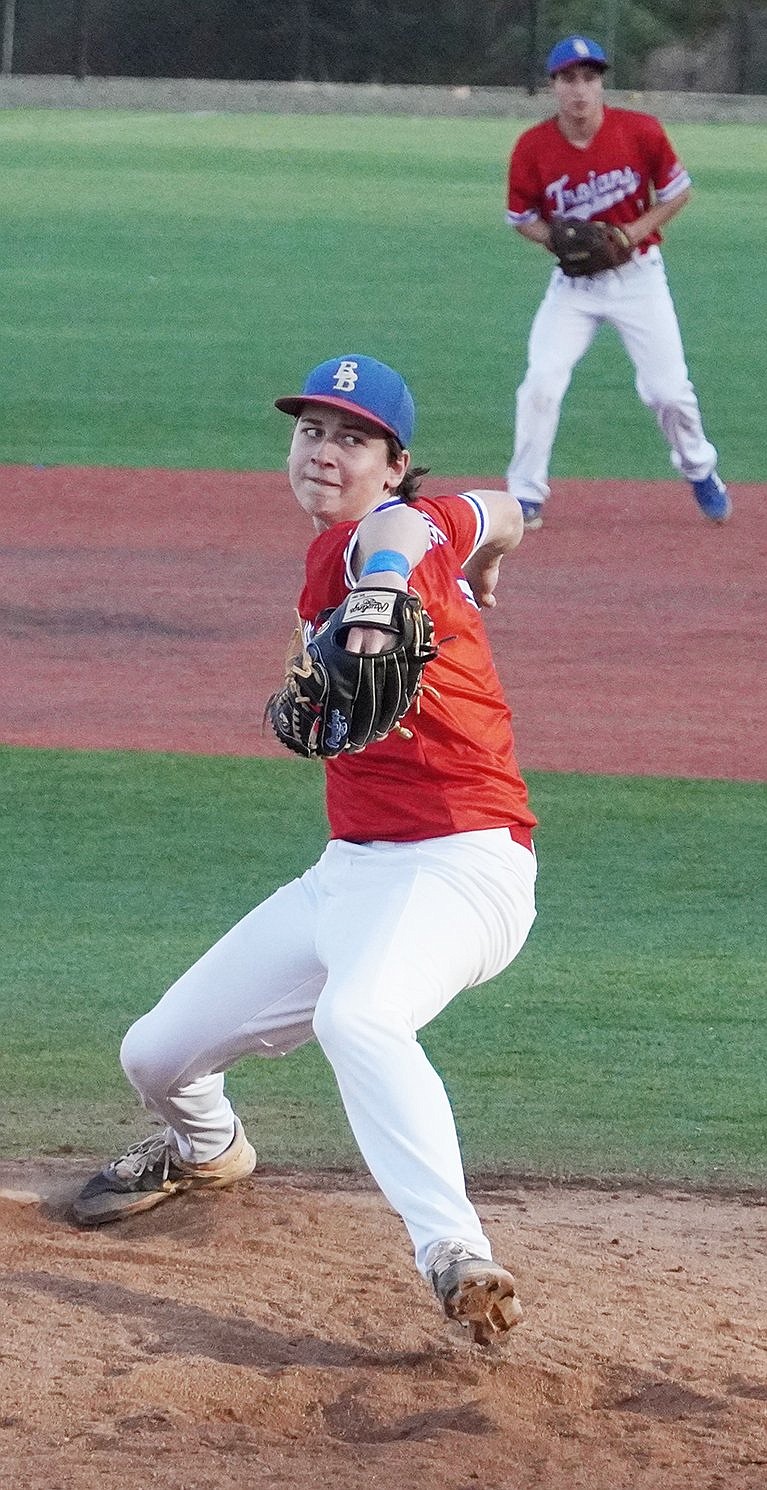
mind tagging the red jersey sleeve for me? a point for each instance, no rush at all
(665, 169)
(523, 198)
(462, 521)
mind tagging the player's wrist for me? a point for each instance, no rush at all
(382, 579)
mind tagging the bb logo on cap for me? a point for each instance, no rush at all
(572, 50)
(362, 385)
(345, 379)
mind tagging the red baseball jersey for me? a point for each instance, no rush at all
(629, 165)
(458, 773)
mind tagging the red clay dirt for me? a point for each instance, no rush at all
(279, 1336)
(152, 609)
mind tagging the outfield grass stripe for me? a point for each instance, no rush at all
(627, 1039)
(195, 265)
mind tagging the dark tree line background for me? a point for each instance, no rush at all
(492, 43)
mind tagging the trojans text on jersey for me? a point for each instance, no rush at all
(599, 191)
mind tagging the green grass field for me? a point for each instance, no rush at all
(166, 276)
(626, 1038)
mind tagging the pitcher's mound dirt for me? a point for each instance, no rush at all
(280, 1336)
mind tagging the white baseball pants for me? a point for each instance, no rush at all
(636, 300)
(361, 952)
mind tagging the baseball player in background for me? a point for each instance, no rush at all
(593, 162)
(425, 889)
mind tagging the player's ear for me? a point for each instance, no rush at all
(398, 469)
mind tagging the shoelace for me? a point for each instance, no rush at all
(146, 1154)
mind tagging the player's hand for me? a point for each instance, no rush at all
(367, 642)
(483, 571)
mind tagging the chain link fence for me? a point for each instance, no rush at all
(496, 43)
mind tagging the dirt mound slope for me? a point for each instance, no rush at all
(280, 1336)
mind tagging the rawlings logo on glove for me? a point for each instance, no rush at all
(588, 247)
(335, 700)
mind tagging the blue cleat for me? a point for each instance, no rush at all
(531, 512)
(713, 498)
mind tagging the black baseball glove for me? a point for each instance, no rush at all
(588, 247)
(333, 700)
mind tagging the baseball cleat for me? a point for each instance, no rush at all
(152, 1171)
(531, 512)
(475, 1291)
(713, 498)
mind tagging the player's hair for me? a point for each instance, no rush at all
(407, 491)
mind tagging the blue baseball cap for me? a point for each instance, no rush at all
(363, 386)
(574, 49)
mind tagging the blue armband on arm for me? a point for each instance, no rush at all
(386, 560)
